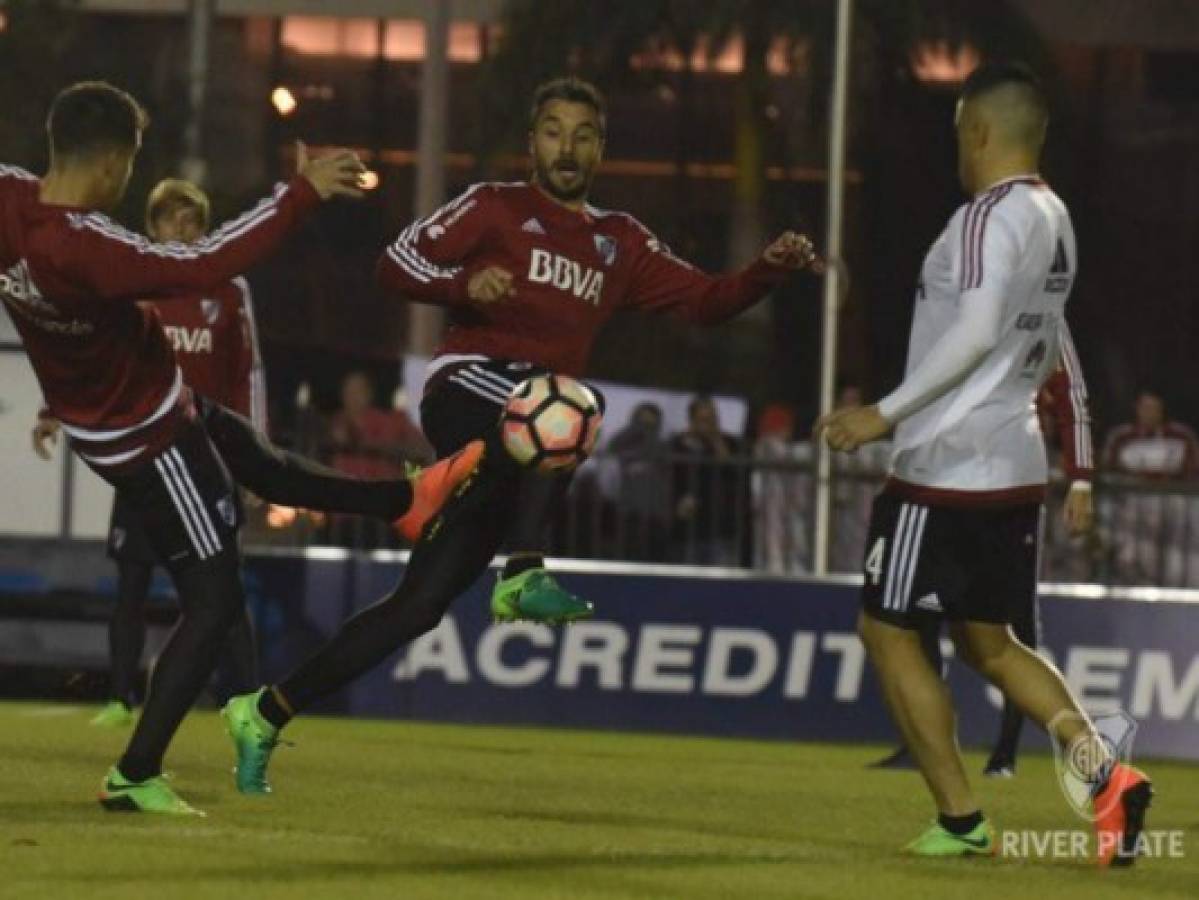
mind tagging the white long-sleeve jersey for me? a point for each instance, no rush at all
(988, 329)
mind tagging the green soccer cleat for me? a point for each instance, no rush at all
(534, 596)
(936, 841)
(154, 795)
(254, 739)
(115, 714)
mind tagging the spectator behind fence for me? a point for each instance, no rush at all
(781, 490)
(784, 494)
(643, 494)
(1154, 531)
(369, 442)
(1151, 445)
(710, 502)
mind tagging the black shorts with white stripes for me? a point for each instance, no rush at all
(185, 500)
(940, 562)
(464, 402)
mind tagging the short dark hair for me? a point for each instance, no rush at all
(572, 90)
(92, 117)
(989, 76)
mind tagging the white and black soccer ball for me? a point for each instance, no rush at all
(551, 422)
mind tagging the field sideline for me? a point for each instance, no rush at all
(370, 809)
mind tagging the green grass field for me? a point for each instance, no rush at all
(381, 809)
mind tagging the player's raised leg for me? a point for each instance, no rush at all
(280, 476)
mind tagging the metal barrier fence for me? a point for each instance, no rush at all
(757, 513)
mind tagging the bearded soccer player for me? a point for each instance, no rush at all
(954, 534)
(72, 279)
(215, 339)
(529, 272)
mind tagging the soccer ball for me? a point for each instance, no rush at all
(551, 423)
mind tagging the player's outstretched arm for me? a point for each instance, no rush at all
(959, 350)
(113, 263)
(430, 260)
(662, 282)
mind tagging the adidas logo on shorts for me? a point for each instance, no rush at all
(930, 603)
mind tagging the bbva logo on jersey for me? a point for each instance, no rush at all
(566, 275)
(189, 340)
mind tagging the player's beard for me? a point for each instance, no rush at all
(575, 192)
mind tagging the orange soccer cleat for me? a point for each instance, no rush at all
(1120, 815)
(432, 487)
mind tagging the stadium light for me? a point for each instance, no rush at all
(280, 516)
(941, 64)
(284, 101)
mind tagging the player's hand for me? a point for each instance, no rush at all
(1079, 509)
(45, 436)
(849, 429)
(490, 285)
(334, 175)
(793, 250)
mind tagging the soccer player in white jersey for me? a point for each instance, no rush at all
(954, 533)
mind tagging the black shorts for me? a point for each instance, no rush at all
(128, 541)
(935, 562)
(464, 403)
(183, 500)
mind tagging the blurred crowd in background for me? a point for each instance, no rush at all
(716, 495)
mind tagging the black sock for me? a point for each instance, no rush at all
(272, 710)
(518, 564)
(960, 825)
(135, 769)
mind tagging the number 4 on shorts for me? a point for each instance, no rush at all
(874, 560)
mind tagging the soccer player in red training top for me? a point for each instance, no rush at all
(216, 344)
(529, 272)
(71, 279)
